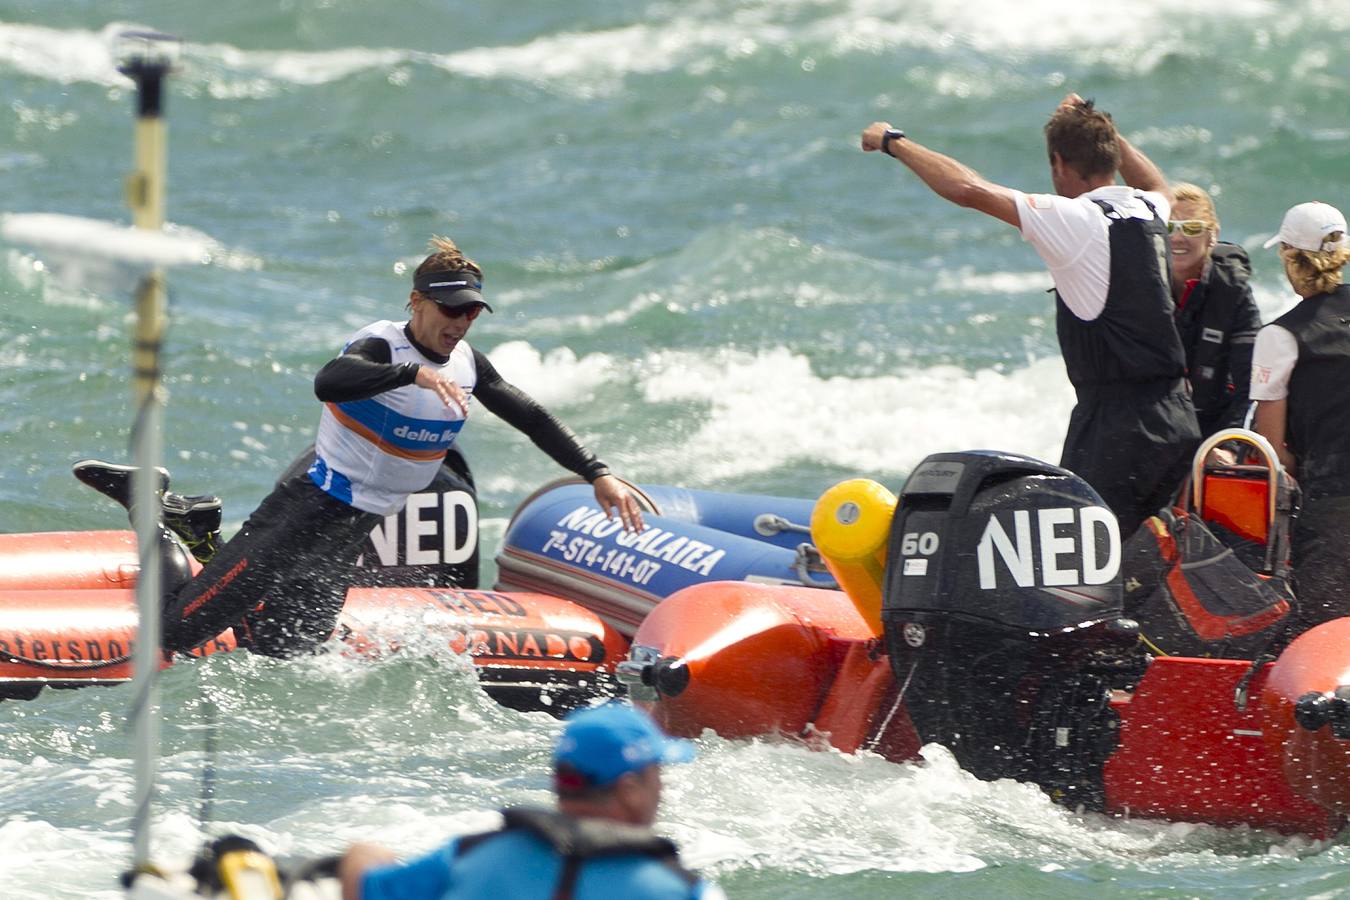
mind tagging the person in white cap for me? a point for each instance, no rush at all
(1301, 385)
(596, 845)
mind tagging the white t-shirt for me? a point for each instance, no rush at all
(1273, 359)
(1072, 236)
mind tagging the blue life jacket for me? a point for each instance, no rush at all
(547, 855)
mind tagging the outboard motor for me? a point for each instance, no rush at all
(1002, 617)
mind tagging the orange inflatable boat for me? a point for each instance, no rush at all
(68, 619)
(67, 614)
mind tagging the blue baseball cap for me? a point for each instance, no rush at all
(606, 742)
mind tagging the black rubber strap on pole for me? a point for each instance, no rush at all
(150, 97)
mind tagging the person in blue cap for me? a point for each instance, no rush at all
(598, 843)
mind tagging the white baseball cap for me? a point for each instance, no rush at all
(1307, 226)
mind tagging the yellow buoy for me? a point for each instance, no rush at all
(850, 526)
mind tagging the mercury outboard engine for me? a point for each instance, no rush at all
(1003, 619)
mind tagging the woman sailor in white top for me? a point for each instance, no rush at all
(1300, 372)
(394, 401)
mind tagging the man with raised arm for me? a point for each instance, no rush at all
(1133, 428)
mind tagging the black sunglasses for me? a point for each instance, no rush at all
(471, 310)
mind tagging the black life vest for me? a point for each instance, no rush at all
(1218, 326)
(577, 840)
(1319, 400)
(1134, 340)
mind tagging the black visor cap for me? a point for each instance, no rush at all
(451, 289)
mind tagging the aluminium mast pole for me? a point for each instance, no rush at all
(147, 60)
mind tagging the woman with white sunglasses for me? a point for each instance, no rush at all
(1216, 314)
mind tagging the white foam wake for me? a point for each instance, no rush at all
(555, 378)
(698, 36)
(1026, 25)
(65, 56)
(767, 410)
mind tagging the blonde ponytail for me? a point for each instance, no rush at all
(1313, 272)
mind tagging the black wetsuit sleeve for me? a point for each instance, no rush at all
(1246, 323)
(523, 413)
(363, 370)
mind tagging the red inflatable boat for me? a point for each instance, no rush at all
(984, 612)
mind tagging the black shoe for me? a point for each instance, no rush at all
(114, 481)
(195, 519)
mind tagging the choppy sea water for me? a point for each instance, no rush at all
(696, 268)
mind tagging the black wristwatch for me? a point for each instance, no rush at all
(890, 134)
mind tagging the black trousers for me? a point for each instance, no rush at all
(1320, 558)
(1133, 444)
(274, 580)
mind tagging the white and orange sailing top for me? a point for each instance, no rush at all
(373, 453)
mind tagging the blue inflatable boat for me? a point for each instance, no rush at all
(560, 542)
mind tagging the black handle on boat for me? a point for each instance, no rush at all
(670, 676)
(1314, 710)
(667, 676)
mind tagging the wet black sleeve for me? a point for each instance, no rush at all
(363, 370)
(1242, 334)
(523, 413)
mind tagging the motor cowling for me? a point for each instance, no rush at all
(1002, 615)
